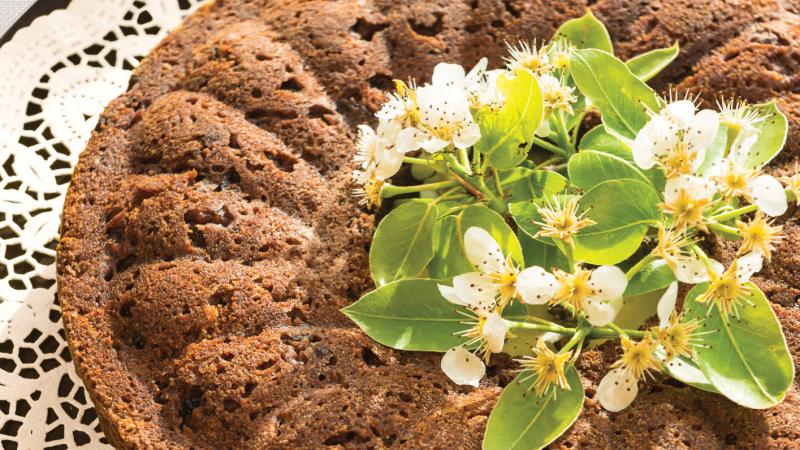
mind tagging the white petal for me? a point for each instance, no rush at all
(748, 265)
(483, 252)
(768, 195)
(544, 129)
(702, 131)
(551, 337)
(494, 332)
(696, 187)
(742, 145)
(462, 367)
(602, 312)
(681, 112)
(477, 72)
(536, 286)
(666, 304)
(656, 138)
(389, 164)
(445, 74)
(433, 144)
(476, 290)
(467, 136)
(451, 295)
(409, 139)
(608, 282)
(617, 390)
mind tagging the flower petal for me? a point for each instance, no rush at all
(696, 187)
(666, 304)
(462, 367)
(389, 164)
(483, 251)
(601, 312)
(536, 286)
(768, 195)
(409, 139)
(748, 265)
(445, 74)
(494, 332)
(692, 270)
(433, 144)
(617, 390)
(476, 290)
(544, 129)
(608, 282)
(467, 136)
(701, 134)
(451, 295)
(681, 112)
(654, 139)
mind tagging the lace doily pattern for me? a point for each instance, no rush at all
(58, 75)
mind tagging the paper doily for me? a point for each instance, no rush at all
(58, 75)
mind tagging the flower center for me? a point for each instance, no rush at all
(574, 288)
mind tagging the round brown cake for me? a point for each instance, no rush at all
(209, 238)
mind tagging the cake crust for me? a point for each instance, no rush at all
(209, 238)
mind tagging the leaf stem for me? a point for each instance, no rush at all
(547, 162)
(463, 159)
(639, 266)
(551, 147)
(735, 213)
(391, 190)
(421, 161)
(724, 228)
(595, 333)
(578, 127)
(703, 257)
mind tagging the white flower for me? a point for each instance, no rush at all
(735, 180)
(726, 289)
(741, 119)
(481, 87)
(555, 94)
(676, 138)
(443, 114)
(598, 292)
(692, 270)
(685, 199)
(487, 335)
(617, 390)
(401, 105)
(528, 57)
(497, 281)
(377, 149)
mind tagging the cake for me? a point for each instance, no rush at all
(209, 238)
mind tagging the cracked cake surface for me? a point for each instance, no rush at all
(209, 237)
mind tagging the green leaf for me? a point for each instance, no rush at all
(524, 215)
(523, 420)
(771, 136)
(654, 276)
(409, 315)
(599, 139)
(450, 258)
(403, 243)
(745, 358)
(506, 134)
(686, 371)
(537, 253)
(614, 90)
(589, 168)
(647, 65)
(526, 184)
(622, 211)
(586, 32)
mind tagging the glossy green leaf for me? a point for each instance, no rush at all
(522, 420)
(537, 253)
(614, 90)
(599, 139)
(654, 276)
(450, 259)
(745, 358)
(525, 184)
(506, 134)
(403, 242)
(649, 64)
(686, 371)
(524, 215)
(589, 168)
(771, 136)
(622, 211)
(586, 32)
(409, 315)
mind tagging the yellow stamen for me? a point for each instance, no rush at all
(574, 288)
(638, 358)
(686, 210)
(370, 195)
(724, 290)
(676, 337)
(678, 161)
(759, 235)
(735, 181)
(548, 367)
(562, 221)
(670, 246)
